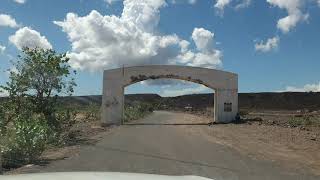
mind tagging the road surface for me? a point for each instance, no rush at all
(152, 145)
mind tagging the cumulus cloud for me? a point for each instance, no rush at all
(306, 88)
(104, 42)
(206, 56)
(200, 59)
(269, 45)
(27, 37)
(8, 21)
(180, 92)
(2, 49)
(295, 15)
(20, 1)
(220, 5)
(203, 39)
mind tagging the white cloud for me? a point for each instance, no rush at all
(200, 59)
(287, 23)
(206, 56)
(8, 21)
(27, 37)
(103, 42)
(20, 1)
(2, 49)
(306, 88)
(295, 15)
(203, 39)
(3, 93)
(221, 4)
(243, 4)
(269, 45)
(184, 45)
(184, 91)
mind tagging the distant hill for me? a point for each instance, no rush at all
(283, 101)
(259, 101)
(96, 99)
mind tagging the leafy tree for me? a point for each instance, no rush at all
(39, 77)
(30, 117)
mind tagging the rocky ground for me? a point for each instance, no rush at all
(272, 135)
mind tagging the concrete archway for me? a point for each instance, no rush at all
(224, 83)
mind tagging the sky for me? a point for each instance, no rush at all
(273, 45)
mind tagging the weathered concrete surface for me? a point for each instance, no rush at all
(224, 83)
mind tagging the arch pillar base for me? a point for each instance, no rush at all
(225, 105)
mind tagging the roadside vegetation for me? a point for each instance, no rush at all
(304, 120)
(137, 110)
(301, 119)
(33, 118)
(30, 117)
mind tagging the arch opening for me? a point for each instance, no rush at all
(164, 96)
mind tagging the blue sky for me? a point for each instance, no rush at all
(272, 45)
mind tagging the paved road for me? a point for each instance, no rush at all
(153, 146)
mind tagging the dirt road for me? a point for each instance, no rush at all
(162, 143)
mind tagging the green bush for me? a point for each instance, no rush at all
(295, 122)
(137, 110)
(24, 141)
(92, 112)
(304, 120)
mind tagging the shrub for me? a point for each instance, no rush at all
(25, 141)
(295, 122)
(92, 112)
(304, 120)
(65, 119)
(136, 111)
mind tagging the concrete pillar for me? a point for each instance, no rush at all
(112, 102)
(226, 105)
